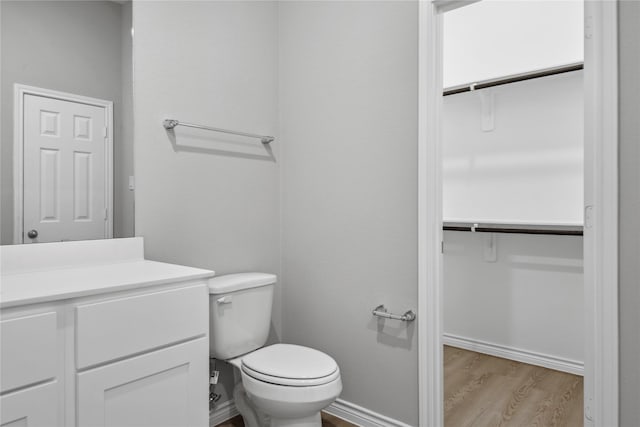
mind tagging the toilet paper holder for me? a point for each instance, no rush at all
(381, 311)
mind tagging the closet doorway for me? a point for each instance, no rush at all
(534, 333)
(512, 175)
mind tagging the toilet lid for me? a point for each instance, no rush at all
(288, 364)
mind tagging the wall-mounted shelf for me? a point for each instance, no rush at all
(479, 227)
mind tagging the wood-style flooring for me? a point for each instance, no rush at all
(487, 391)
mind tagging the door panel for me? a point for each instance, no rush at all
(165, 388)
(28, 346)
(65, 170)
(32, 407)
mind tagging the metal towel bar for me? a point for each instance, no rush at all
(381, 311)
(169, 124)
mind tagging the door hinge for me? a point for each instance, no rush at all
(106, 214)
(106, 132)
(588, 216)
(588, 26)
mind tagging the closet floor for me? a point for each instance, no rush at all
(487, 391)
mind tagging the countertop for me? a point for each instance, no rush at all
(58, 271)
(54, 285)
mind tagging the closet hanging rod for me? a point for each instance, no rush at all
(558, 230)
(514, 78)
(169, 124)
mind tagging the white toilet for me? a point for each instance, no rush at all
(277, 385)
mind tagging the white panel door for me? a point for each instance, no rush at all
(32, 407)
(65, 170)
(165, 388)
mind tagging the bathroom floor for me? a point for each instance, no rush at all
(486, 391)
(482, 390)
(327, 421)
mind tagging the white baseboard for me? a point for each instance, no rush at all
(223, 412)
(539, 359)
(361, 416)
(347, 411)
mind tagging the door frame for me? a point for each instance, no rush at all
(600, 202)
(20, 90)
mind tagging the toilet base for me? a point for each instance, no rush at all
(310, 421)
(250, 415)
(254, 418)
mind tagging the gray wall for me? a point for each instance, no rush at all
(348, 109)
(206, 199)
(337, 84)
(123, 152)
(69, 46)
(629, 15)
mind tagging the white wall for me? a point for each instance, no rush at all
(529, 167)
(205, 199)
(497, 38)
(69, 46)
(629, 234)
(348, 109)
(530, 299)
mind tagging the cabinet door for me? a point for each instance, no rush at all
(28, 350)
(167, 387)
(32, 407)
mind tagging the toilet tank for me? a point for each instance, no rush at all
(239, 313)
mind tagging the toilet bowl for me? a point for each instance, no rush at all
(276, 385)
(289, 384)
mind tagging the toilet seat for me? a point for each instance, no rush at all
(290, 365)
(292, 382)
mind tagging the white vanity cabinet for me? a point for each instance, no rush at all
(123, 344)
(143, 360)
(30, 356)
